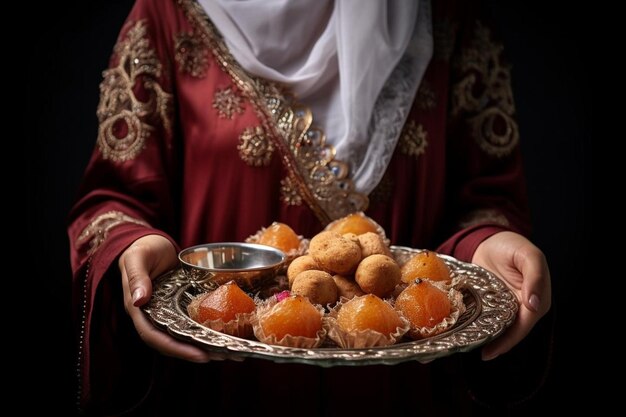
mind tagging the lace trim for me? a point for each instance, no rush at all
(97, 231)
(320, 180)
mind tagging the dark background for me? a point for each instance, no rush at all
(551, 91)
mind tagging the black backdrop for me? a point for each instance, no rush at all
(551, 90)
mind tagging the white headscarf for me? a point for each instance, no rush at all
(356, 63)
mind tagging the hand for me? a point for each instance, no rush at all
(147, 258)
(524, 269)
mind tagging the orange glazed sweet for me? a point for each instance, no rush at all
(294, 316)
(280, 236)
(354, 223)
(368, 313)
(224, 304)
(423, 304)
(425, 265)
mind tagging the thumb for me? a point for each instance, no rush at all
(136, 273)
(532, 263)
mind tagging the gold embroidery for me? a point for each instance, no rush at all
(126, 116)
(426, 99)
(255, 148)
(320, 180)
(443, 37)
(289, 193)
(483, 216)
(98, 229)
(383, 191)
(191, 54)
(227, 102)
(485, 92)
(413, 140)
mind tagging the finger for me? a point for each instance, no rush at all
(532, 263)
(137, 275)
(166, 344)
(525, 321)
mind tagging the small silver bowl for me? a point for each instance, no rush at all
(213, 264)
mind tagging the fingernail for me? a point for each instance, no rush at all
(137, 294)
(489, 356)
(534, 302)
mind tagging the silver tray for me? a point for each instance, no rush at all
(490, 309)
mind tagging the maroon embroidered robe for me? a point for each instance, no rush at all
(193, 148)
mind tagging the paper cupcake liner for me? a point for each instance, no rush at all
(363, 338)
(288, 340)
(240, 326)
(457, 307)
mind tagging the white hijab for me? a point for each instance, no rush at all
(356, 63)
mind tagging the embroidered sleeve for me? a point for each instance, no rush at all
(483, 94)
(132, 102)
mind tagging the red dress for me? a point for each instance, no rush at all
(192, 147)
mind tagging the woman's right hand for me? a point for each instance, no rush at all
(147, 258)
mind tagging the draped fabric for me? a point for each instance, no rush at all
(192, 148)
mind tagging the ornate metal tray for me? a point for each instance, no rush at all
(490, 309)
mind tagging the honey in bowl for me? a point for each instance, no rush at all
(423, 304)
(425, 265)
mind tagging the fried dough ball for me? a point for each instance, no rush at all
(425, 265)
(378, 275)
(318, 286)
(352, 237)
(334, 253)
(347, 288)
(371, 243)
(301, 264)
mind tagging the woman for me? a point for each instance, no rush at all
(218, 118)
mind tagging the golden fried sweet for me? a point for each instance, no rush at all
(334, 253)
(425, 265)
(368, 313)
(225, 303)
(280, 236)
(318, 286)
(347, 287)
(423, 304)
(378, 275)
(371, 244)
(294, 316)
(301, 264)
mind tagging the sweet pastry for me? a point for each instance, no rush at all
(334, 253)
(347, 288)
(378, 275)
(301, 264)
(425, 265)
(318, 286)
(365, 321)
(227, 309)
(293, 321)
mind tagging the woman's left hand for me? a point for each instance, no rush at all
(524, 269)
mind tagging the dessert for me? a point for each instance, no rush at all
(378, 275)
(425, 265)
(334, 253)
(318, 286)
